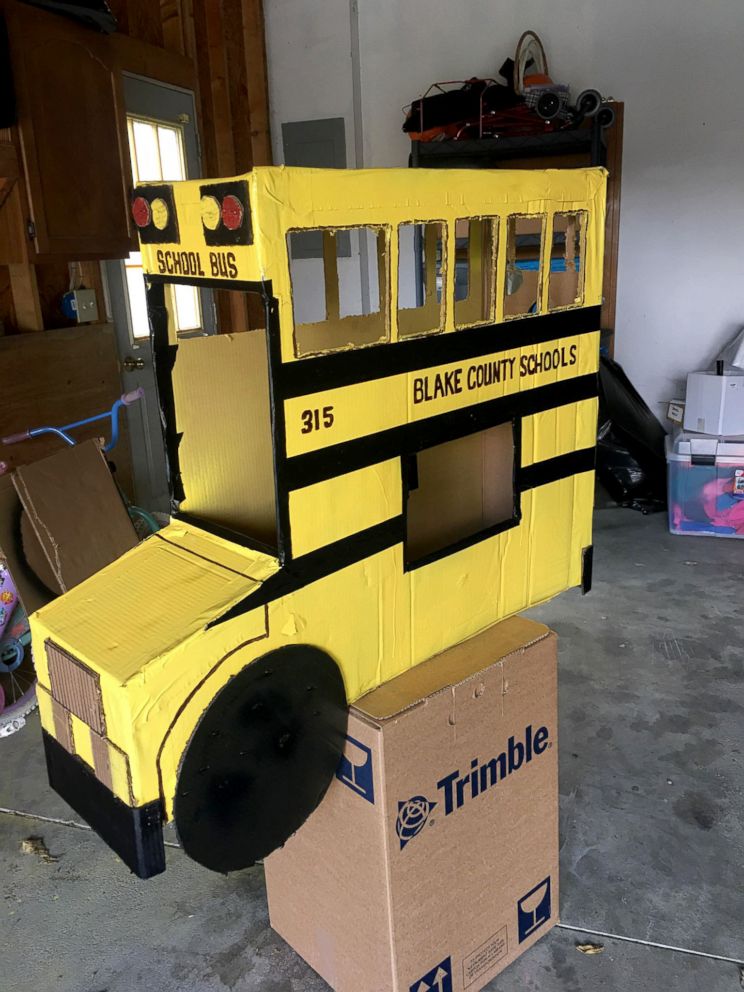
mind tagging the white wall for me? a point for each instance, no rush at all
(310, 68)
(675, 63)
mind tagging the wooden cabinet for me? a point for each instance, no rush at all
(71, 135)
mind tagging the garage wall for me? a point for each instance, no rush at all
(310, 74)
(675, 63)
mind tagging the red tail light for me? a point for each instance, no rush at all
(232, 212)
(141, 211)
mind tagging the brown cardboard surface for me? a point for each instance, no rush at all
(443, 509)
(226, 458)
(76, 512)
(441, 824)
(33, 553)
(451, 667)
(32, 593)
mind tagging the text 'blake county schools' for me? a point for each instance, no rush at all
(439, 384)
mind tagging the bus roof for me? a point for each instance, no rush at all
(247, 217)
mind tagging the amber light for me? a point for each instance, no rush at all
(160, 213)
(211, 212)
(141, 211)
(232, 212)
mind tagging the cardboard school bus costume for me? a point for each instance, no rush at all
(401, 458)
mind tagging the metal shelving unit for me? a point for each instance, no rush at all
(590, 143)
(484, 153)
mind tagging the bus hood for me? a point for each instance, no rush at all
(152, 599)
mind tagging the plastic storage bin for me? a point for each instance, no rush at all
(706, 485)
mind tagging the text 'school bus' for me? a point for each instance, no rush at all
(401, 456)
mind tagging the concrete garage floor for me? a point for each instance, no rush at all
(652, 811)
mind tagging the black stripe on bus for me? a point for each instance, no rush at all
(553, 469)
(356, 547)
(239, 285)
(338, 459)
(312, 375)
(163, 359)
(320, 563)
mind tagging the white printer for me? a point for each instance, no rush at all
(715, 402)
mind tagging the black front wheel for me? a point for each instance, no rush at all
(261, 758)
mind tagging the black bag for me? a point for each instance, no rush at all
(631, 464)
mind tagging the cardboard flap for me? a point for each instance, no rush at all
(31, 591)
(450, 668)
(76, 512)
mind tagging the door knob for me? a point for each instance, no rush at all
(131, 364)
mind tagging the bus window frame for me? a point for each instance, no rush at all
(409, 472)
(446, 287)
(385, 309)
(544, 217)
(584, 220)
(492, 318)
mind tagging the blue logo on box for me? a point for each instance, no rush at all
(439, 979)
(533, 909)
(413, 815)
(355, 769)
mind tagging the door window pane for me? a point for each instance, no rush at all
(144, 151)
(140, 326)
(188, 312)
(171, 154)
(157, 155)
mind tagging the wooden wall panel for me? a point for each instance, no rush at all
(257, 80)
(215, 47)
(55, 378)
(139, 19)
(26, 300)
(7, 310)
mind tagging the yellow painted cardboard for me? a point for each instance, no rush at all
(309, 459)
(370, 407)
(359, 499)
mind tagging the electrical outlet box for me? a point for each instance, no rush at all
(83, 306)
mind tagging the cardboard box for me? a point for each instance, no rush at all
(715, 403)
(432, 863)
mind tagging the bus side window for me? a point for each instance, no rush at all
(524, 236)
(566, 284)
(421, 279)
(339, 300)
(476, 241)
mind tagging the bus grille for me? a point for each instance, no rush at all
(75, 687)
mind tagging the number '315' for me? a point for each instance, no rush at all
(314, 420)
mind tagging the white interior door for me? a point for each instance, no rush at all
(163, 147)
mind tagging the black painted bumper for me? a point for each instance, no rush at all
(134, 833)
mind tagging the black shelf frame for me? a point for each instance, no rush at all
(482, 153)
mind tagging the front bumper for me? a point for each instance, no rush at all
(134, 833)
